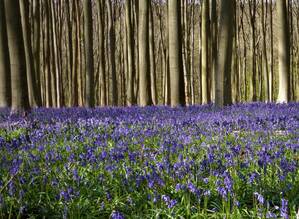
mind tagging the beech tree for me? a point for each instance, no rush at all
(88, 36)
(5, 91)
(177, 93)
(283, 52)
(144, 58)
(223, 73)
(20, 100)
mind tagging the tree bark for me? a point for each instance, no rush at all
(283, 52)
(111, 55)
(5, 88)
(20, 100)
(153, 81)
(177, 87)
(223, 74)
(205, 52)
(89, 64)
(131, 60)
(33, 81)
(144, 59)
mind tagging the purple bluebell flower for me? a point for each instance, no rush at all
(271, 215)
(172, 203)
(222, 192)
(207, 192)
(259, 197)
(165, 198)
(192, 188)
(116, 215)
(284, 209)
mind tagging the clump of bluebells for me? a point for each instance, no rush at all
(237, 162)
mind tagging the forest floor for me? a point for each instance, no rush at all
(241, 161)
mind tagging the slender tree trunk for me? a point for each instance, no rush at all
(111, 54)
(144, 58)
(271, 73)
(185, 52)
(153, 81)
(265, 55)
(102, 73)
(214, 42)
(192, 64)
(283, 51)
(175, 54)
(53, 60)
(200, 59)
(5, 87)
(56, 81)
(252, 8)
(131, 60)
(33, 91)
(37, 49)
(20, 100)
(205, 52)
(88, 42)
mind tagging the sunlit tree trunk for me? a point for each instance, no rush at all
(283, 51)
(144, 58)
(153, 81)
(265, 54)
(205, 51)
(214, 42)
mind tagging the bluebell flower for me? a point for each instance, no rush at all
(207, 192)
(271, 215)
(259, 197)
(192, 188)
(172, 203)
(206, 180)
(11, 188)
(76, 176)
(165, 198)
(284, 209)
(116, 215)
(222, 192)
(65, 195)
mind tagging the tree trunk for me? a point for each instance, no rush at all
(205, 52)
(5, 88)
(20, 100)
(265, 55)
(153, 81)
(283, 52)
(175, 54)
(88, 42)
(271, 73)
(223, 74)
(144, 59)
(252, 8)
(214, 42)
(131, 60)
(111, 54)
(102, 73)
